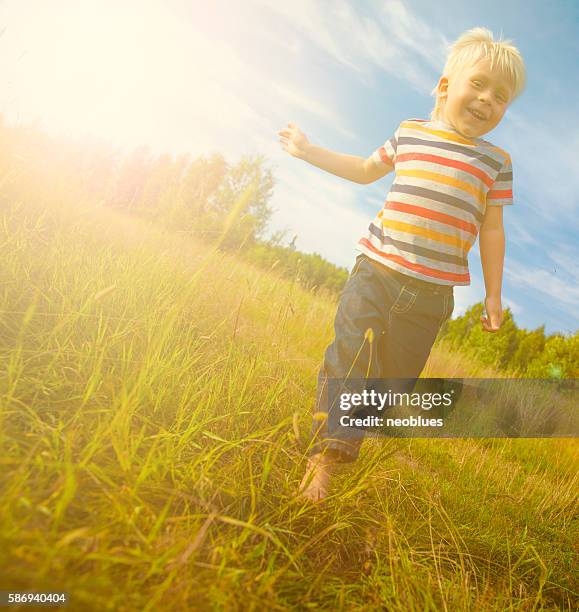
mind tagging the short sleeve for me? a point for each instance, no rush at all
(386, 154)
(501, 193)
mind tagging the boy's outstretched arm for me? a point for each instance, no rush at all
(350, 167)
(492, 253)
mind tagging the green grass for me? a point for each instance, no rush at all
(155, 406)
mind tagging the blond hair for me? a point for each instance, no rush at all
(473, 46)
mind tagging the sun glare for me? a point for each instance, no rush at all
(121, 71)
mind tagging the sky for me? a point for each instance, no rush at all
(224, 76)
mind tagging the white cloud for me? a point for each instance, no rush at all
(516, 308)
(289, 94)
(321, 209)
(566, 262)
(518, 234)
(465, 297)
(392, 40)
(414, 34)
(546, 283)
(547, 167)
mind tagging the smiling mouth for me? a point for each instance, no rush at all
(477, 115)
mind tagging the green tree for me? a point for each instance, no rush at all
(493, 349)
(201, 180)
(559, 359)
(531, 345)
(457, 330)
(254, 220)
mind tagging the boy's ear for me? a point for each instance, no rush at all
(442, 87)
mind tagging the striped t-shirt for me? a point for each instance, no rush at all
(436, 204)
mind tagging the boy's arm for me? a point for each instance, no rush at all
(351, 167)
(492, 253)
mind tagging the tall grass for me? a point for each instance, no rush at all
(155, 407)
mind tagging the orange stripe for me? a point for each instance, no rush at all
(384, 156)
(451, 163)
(502, 152)
(416, 267)
(430, 234)
(478, 192)
(499, 195)
(420, 211)
(441, 133)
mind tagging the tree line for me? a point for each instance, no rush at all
(512, 350)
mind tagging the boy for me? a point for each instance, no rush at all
(450, 186)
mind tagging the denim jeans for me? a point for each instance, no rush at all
(405, 315)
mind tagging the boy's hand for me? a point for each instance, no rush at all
(494, 311)
(294, 141)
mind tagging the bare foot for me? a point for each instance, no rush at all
(314, 485)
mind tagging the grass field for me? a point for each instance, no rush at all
(155, 407)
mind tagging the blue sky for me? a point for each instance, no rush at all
(225, 76)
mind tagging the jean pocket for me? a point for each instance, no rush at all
(404, 301)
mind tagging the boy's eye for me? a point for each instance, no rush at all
(476, 83)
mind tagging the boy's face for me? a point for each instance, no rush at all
(476, 100)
